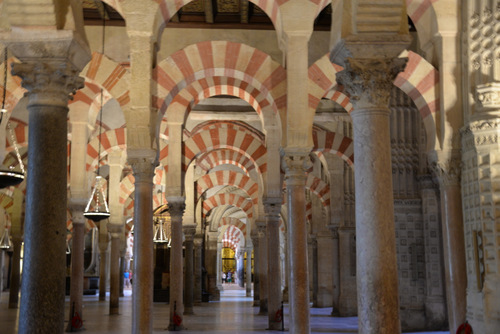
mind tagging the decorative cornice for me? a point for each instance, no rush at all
(480, 133)
(369, 81)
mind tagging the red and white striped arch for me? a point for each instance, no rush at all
(226, 221)
(330, 142)
(245, 143)
(219, 157)
(228, 178)
(228, 199)
(111, 76)
(127, 187)
(319, 188)
(420, 81)
(110, 140)
(233, 237)
(243, 67)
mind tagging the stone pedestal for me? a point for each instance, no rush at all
(369, 83)
(143, 280)
(176, 208)
(295, 164)
(49, 83)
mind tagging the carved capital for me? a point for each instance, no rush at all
(447, 172)
(176, 206)
(369, 81)
(49, 83)
(189, 232)
(295, 164)
(143, 168)
(272, 208)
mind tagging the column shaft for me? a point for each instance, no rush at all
(15, 274)
(44, 268)
(248, 272)
(103, 262)
(189, 271)
(274, 272)
(77, 268)
(256, 271)
(297, 237)
(114, 291)
(263, 274)
(142, 297)
(198, 242)
(176, 209)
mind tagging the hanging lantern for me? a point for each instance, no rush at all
(98, 211)
(5, 242)
(161, 235)
(8, 176)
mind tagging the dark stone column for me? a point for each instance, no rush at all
(15, 274)
(189, 232)
(116, 232)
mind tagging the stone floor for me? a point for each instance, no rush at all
(233, 314)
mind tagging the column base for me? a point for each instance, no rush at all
(114, 311)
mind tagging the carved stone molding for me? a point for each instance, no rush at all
(49, 83)
(369, 81)
(488, 95)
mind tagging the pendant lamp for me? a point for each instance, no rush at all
(5, 242)
(100, 210)
(9, 176)
(160, 235)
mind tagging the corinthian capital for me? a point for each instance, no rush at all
(50, 82)
(369, 81)
(295, 163)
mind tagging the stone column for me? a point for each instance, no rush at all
(263, 274)
(248, 272)
(218, 266)
(369, 83)
(348, 292)
(189, 231)
(176, 208)
(336, 271)
(314, 269)
(77, 267)
(295, 164)
(15, 273)
(116, 232)
(453, 241)
(272, 207)
(143, 280)
(49, 82)
(122, 268)
(256, 270)
(103, 259)
(198, 251)
(240, 270)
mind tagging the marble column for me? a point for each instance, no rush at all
(369, 83)
(15, 273)
(116, 231)
(455, 272)
(314, 269)
(348, 292)
(122, 269)
(176, 206)
(103, 259)
(263, 274)
(77, 265)
(143, 280)
(272, 208)
(295, 164)
(49, 82)
(248, 272)
(256, 270)
(198, 275)
(189, 231)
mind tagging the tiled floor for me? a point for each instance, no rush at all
(233, 314)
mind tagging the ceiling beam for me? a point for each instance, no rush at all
(244, 11)
(209, 11)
